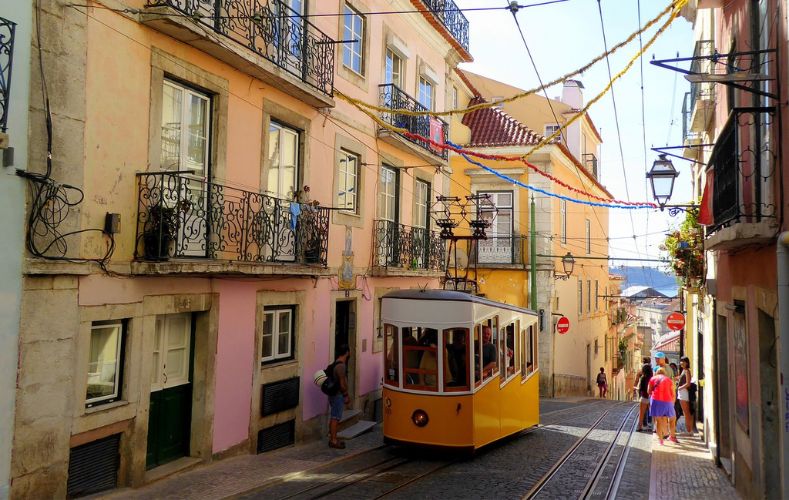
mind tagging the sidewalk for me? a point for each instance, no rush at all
(686, 470)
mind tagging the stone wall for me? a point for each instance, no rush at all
(569, 385)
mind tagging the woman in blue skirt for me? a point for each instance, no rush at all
(661, 407)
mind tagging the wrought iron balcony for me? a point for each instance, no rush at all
(426, 126)
(398, 246)
(452, 18)
(271, 29)
(590, 162)
(742, 169)
(183, 216)
(7, 29)
(501, 250)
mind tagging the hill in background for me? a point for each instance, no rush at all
(653, 277)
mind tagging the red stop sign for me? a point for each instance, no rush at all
(675, 321)
(563, 325)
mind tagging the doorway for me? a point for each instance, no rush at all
(722, 392)
(170, 413)
(768, 383)
(345, 333)
(589, 369)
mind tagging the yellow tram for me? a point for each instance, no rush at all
(460, 371)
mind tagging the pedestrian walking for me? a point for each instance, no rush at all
(643, 392)
(683, 394)
(662, 362)
(602, 383)
(661, 407)
(337, 402)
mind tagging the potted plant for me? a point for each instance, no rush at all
(159, 232)
(686, 250)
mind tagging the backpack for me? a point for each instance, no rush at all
(601, 378)
(330, 386)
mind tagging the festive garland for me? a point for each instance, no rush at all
(674, 8)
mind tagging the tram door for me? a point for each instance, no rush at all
(345, 333)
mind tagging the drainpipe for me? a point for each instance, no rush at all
(782, 260)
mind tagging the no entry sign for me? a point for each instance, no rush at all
(563, 325)
(675, 321)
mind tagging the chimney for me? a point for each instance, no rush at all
(573, 94)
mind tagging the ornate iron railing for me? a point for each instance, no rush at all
(743, 164)
(7, 29)
(180, 215)
(426, 126)
(590, 162)
(501, 250)
(452, 18)
(702, 90)
(271, 29)
(406, 247)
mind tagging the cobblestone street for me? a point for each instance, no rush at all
(509, 469)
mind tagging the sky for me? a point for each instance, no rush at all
(565, 36)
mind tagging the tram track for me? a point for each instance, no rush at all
(565, 462)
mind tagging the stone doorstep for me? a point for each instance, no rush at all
(349, 418)
(356, 429)
(182, 464)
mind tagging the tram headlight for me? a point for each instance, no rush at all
(420, 418)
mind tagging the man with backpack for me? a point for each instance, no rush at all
(337, 375)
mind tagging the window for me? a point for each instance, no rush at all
(456, 356)
(420, 361)
(580, 296)
(485, 341)
(277, 338)
(353, 33)
(348, 182)
(185, 126)
(588, 296)
(393, 68)
(564, 221)
(454, 97)
(508, 352)
(422, 202)
(596, 295)
(498, 248)
(529, 358)
(171, 356)
(388, 194)
(588, 236)
(283, 155)
(391, 355)
(425, 96)
(105, 362)
(550, 130)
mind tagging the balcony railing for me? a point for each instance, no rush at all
(590, 162)
(183, 216)
(426, 126)
(404, 247)
(687, 111)
(7, 29)
(701, 90)
(272, 30)
(452, 18)
(501, 250)
(743, 165)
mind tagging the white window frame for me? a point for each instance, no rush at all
(454, 97)
(596, 295)
(393, 68)
(117, 380)
(348, 176)
(184, 135)
(275, 312)
(580, 296)
(388, 194)
(421, 204)
(564, 221)
(550, 129)
(426, 93)
(588, 237)
(157, 372)
(282, 132)
(588, 296)
(353, 29)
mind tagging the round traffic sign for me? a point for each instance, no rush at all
(675, 321)
(563, 325)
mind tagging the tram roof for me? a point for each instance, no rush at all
(452, 296)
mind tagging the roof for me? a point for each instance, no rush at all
(494, 127)
(451, 295)
(642, 292)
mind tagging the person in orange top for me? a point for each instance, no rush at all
(661, 408)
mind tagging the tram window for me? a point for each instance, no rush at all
(420, 370)
(486, 336)
(392, 355)
(456, 356)
(508, 364)
(530, 356)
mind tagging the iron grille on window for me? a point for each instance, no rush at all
(500, 250)
(393, 98)
(452, 18)
(590, 162)
(406, 247)
(179, 215)
(7, 29)
(271, 29)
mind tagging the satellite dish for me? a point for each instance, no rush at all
(458, 258)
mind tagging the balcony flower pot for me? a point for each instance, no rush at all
(159, 234)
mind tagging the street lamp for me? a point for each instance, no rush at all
(568, 262)
(661, 177)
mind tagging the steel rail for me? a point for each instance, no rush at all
(596, 475)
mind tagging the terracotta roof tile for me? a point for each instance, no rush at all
(494, 127)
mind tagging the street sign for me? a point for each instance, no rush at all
(563, 325)
(675, 321)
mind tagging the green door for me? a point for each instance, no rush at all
(170, 413)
